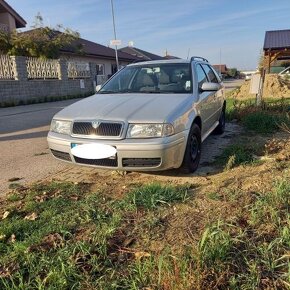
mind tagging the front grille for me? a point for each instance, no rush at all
(103, 129)
(98, 162)
(61, 155)
(141, 162)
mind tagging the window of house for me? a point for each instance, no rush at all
(114, 68)
(100, 68)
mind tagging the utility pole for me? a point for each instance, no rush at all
(220, 62)
(188, 52)
(115, 36)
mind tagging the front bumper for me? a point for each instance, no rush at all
(132, 154)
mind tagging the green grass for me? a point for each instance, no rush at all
(84, 240)
(265, 119)
(153, 195)
(236, 154)
(46, 253)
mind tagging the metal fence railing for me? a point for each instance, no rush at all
(7, 68)
(42, 69)
(32, 68)
(78, 69)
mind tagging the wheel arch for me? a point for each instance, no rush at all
(198, 122)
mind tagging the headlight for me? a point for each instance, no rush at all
(149, 130)
(61, 127)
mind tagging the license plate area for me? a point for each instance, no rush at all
(113, 157)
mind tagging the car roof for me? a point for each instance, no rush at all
(169, 61)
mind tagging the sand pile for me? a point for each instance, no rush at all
(274, 87)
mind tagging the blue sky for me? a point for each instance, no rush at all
(236, 28)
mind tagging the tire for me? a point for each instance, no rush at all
(192, 151)
(220, 129)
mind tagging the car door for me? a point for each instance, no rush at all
(205, 100)
(217, 97)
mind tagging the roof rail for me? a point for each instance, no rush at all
(198, 57)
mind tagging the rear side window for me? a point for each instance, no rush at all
(210, 74)
(201, 76)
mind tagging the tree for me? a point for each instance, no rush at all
(42, 41)
(232, 72)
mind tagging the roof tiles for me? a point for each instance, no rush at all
(277, 39)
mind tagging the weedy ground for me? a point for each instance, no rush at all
(229, 229)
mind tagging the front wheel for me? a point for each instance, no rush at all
(193, 150)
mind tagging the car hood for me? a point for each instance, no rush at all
(125, 107)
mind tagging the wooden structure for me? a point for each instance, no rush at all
(276, 47)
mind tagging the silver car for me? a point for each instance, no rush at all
(155, 115)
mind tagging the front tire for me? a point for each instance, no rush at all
(193, 150)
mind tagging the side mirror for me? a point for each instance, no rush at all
(210, 87)
(98, 87)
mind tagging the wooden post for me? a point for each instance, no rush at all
(269, 62)
(259, 96)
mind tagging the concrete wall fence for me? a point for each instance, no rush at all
(28, 80)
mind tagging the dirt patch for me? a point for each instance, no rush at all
(222, 196)
(274, 87)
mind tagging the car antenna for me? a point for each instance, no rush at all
(188, 53)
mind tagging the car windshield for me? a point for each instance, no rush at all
(153, 78)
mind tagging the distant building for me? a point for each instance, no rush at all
(101, 56)
(221, 69)
(140, 54)
(247, 74)
(9, 18)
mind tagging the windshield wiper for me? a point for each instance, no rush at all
(117, 92)
(107, 92)
(126, 91)
(151, 92)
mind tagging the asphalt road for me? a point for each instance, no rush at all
(231, 84)
(24, 155)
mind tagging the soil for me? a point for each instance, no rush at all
(274, 87)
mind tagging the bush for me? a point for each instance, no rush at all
(268, 118)
(264, 122)
(235, 155)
